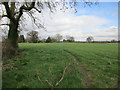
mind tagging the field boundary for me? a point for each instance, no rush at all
(86, 76)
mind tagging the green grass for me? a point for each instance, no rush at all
(47, 61)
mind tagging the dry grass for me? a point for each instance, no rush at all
(7, 50)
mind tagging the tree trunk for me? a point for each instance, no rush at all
(13, 35)
(12, 44)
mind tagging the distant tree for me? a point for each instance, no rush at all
(43, 40)
(70, 38)
(21, 39)
(113, 40)
(64, 40)
(33, 36)
(90, 39)
(58, 37)
(53, 39)
(118, 41)
(49, 40)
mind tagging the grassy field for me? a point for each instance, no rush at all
(63, 65)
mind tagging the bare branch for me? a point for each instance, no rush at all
(51, 6)
(9, 15)
(34, 20)
(62, 75)
(4, 15)
(28, 8)
(45, 81)
(20, 14)
(37, 10)
(4, 24)
(25, 8)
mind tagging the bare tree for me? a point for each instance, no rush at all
(14, 10)
(70, 38)
(90, 39)
(33, 36)
(58, 37)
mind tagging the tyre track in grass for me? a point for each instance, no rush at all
(86, 76)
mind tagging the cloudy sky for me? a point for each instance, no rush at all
(99, 21)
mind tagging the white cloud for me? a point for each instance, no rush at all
(107, 33)
(66, 23)
(78, 26)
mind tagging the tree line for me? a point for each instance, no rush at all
(32, 37)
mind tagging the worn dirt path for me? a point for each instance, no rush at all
(86, 76)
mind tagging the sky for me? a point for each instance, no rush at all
(99, 21)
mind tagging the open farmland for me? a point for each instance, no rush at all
(63, 65)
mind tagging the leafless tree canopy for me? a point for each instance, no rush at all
(14, 9)
(89, 39)
(33, 36)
